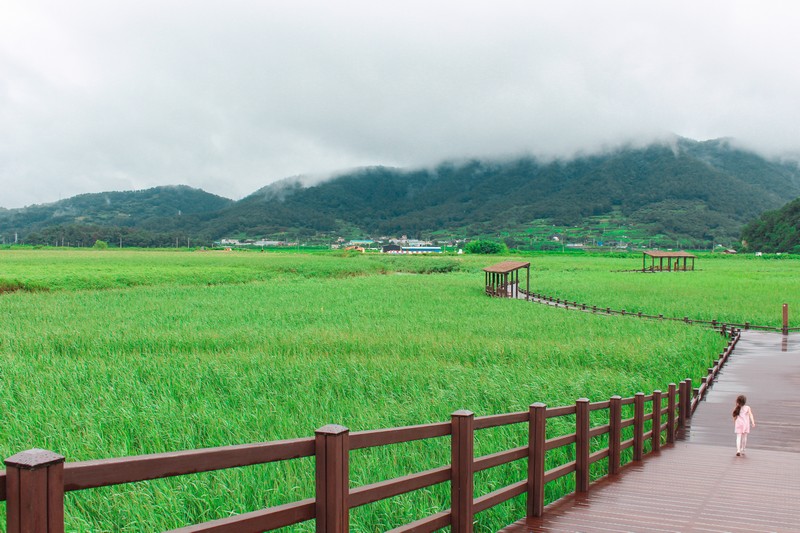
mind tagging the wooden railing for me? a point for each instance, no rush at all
(35, 480)
(715, 324)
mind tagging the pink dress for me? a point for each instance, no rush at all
(742, 422)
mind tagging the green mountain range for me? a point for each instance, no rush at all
(149, 217)
(775, 231)
(687, 193)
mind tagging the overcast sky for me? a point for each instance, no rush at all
(229, 96)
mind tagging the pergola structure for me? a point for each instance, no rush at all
(502, 279)
(673, 261)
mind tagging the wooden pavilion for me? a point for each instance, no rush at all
(502, 279)
(673, 261)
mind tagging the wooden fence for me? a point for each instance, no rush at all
(35, 481)
(716, 324)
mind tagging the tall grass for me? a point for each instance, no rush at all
(91, 269)
(210, 350)
(727, 288)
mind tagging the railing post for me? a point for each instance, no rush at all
(682, 404)
(582, 445)
(656, 437)
(671, 414)
(638, 426)
(689, 398)
(35, 492)
(614, 433)
(785, 328)
(333, 473)
(462, 471)
(537, 434)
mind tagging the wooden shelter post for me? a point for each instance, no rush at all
(528, 283)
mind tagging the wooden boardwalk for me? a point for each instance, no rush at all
(699, 484)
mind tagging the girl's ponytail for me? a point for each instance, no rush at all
(740, 401)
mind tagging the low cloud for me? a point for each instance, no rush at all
(98, 96)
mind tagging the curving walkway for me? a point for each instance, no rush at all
(699, 484)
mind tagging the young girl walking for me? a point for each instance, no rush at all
(742, 420)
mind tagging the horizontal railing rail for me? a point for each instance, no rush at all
(655, 420)
(109, 472)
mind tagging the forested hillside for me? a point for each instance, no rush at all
(142, 218)
(775, 231)
(688, 193)
(697, 191)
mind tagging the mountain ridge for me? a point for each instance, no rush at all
(697, 191)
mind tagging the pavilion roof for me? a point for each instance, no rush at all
(506, 266)
(659, 253)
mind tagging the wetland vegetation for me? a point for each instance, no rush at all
(114, 353)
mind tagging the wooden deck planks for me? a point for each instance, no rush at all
(699, 484)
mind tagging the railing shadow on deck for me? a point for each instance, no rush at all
(35, 480)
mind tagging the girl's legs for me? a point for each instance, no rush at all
(738, 443)
(744, 441)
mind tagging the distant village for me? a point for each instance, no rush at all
(404, 245)
(388, 245)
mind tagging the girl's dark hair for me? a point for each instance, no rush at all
(740, 401)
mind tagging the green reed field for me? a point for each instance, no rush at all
(115, 353)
